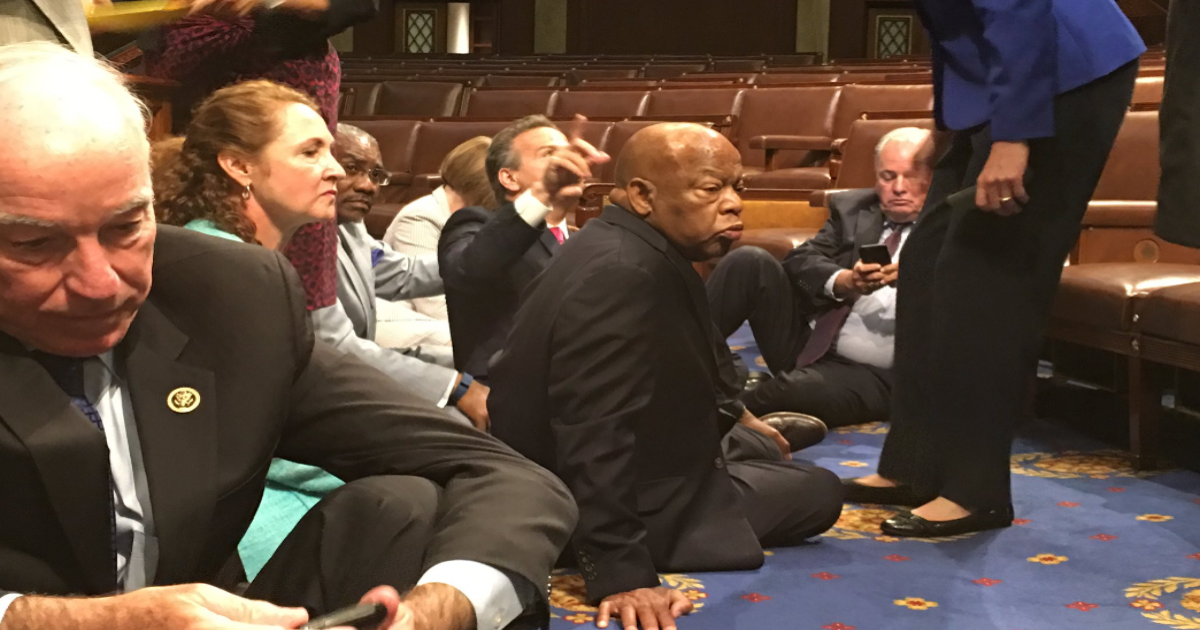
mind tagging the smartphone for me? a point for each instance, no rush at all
(875, 255)
(361, 616)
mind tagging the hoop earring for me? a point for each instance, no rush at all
(246, 193)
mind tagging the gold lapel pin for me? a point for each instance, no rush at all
(183, 400)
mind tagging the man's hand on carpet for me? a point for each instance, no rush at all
(773, 434)
(654, 608)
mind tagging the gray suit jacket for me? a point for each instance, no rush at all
(350, 324)
(61, 21)
(415, 231)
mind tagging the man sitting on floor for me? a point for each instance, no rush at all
(839, 370)
(370, 269)
(137, 422)
(488, 258)
(615, 378)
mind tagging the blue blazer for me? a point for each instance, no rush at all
(1004, 61)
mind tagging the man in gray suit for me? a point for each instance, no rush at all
(61, 21)
(368, 268)
(839, 369)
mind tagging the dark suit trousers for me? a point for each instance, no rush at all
(369, 532)
(1177, 219)
(975, 290)
(750, 285)
(785, 502)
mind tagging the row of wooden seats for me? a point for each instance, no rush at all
(784, 134)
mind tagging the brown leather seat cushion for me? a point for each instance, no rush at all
(600, 103)
(702, 102)
(800, 178)
(1132, 170)
(1172, 314)
(417, 98)
(777, 241)
(1106, 295)
(804, 111)
(508, 103)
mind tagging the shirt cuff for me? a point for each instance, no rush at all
(829, 286)
(449, 390)
(5, 602)
(490, 591)
(530, 209)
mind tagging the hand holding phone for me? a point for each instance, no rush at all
(361, 616)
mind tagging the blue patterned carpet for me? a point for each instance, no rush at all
(1095, 545)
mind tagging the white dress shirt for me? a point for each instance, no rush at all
(491, 592)
(869, 334)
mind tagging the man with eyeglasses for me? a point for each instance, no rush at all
(370, 269)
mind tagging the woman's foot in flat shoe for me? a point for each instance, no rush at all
(878, 490)
(943, 517)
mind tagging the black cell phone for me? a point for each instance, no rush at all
(361, 616)
(875, 255)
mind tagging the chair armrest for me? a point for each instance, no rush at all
(1126, 214)
(401, 179)
(799, 143)
(820, 198)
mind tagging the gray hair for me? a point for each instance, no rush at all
(500, 154)
(33, 74)
(909, 135)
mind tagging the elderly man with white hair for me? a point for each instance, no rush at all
(148, 375)
(825, 319)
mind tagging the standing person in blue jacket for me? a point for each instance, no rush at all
(1033, 92)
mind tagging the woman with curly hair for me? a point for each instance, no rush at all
(254, 166)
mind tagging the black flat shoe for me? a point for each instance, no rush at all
(754, 380)
(898, 495)
(800, 430)
(912, 526)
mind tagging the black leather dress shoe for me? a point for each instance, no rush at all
(800, 430)
(754, 380)
(910, 525)
(898, 495)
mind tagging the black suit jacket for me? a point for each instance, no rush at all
(615, 378)
(229, 320)
(855, 219)
(486, 260)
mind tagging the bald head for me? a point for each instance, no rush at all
(683, 179)
(75, 202)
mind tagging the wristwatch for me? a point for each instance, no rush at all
(461, 390)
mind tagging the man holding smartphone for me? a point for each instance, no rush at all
(824, 319)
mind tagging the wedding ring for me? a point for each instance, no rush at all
(1005, 199)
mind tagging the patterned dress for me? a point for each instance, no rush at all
(205, 53)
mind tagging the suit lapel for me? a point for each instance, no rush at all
(71, 458)
(179, 449)
(356, 265)
(546, 238)
(868, 228)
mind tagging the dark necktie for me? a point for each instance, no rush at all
(829, 324)
(68, 373)
(558, 235)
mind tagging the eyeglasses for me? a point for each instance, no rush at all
(378, 176)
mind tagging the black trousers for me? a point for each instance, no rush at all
(785, 502)
(369, 532)
(1179, 129)
(750, 285)
(975, 290)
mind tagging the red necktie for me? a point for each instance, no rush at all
(829, 324)
(558, 235)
